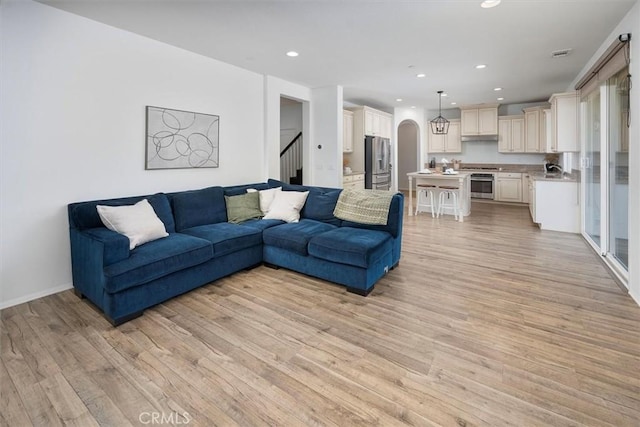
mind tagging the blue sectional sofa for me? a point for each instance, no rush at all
(202, 247)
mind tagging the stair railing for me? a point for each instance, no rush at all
(291, 160)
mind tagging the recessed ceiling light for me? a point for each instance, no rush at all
(489, 3)
(454, 103)
(500, 99)
(413, 106)
(399, 99)
(292, 53)
(497, 89)
(481, 66)
(444, 94)
(421, 75)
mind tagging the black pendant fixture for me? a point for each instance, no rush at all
(440, 125)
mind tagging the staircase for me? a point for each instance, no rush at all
(291, 161)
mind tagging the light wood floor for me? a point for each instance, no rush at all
(490, 322)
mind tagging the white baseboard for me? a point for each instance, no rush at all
(35, 295)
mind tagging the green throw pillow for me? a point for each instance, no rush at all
(243, 207)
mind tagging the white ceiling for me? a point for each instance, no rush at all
(374, 49)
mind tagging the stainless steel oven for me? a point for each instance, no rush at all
(482, 185)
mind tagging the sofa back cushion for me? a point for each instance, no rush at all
(198, 207)
(320, 205)
(320, 202)
(84, 215)
(235, 190)
(394, 220)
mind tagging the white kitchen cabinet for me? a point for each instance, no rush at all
(509, 187)
(525, 188)
(532, 199)
(564, 123)
(469, 122)
(377, 123)
(555, 205)
(488, 121)
(550, 142)
(347, 131)
(535, 130)
(367, 121)
(354, 181)
(386, 125)
(479, 120)
(447, 143)
(511, 134)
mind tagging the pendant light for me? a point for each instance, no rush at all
(440, 125)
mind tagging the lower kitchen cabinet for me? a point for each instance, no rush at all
(525, 188)
(509, 187)
(555, 205)
(354, 181)
(532, 199)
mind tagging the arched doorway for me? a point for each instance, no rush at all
(408, 152)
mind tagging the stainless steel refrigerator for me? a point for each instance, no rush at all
(377, 163)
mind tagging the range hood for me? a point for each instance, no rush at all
(470, 138)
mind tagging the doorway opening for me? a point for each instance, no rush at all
(291, 143)
(408, 152)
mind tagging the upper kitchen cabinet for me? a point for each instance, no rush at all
(535, 140)
(347, 131)
(447, 143)
(511, 134)
(367, 121)
(564, 135)
(479, 120)
(377, 123)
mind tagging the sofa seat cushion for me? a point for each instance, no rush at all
(226, 237)
(262, 224)
(157, 259)
(295, 236)
(352, 246)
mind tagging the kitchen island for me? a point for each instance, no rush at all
(438, 179)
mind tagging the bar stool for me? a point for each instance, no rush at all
(449, 193)
(425, 198)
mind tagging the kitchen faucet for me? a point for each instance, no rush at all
(556, 167)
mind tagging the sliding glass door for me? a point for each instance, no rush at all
(618, 169)
(592, 205)
(605, 114)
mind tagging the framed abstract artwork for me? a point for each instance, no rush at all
(179, 139)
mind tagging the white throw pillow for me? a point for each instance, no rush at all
(266, 197)
(286, 206)
(138, 222)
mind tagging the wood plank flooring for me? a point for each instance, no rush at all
(491, 322)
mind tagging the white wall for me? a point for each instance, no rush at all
(487, 152)
(73, 128)
(629, 24)
(274, 89)
(326, 125)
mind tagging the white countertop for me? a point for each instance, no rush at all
(558, 177)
